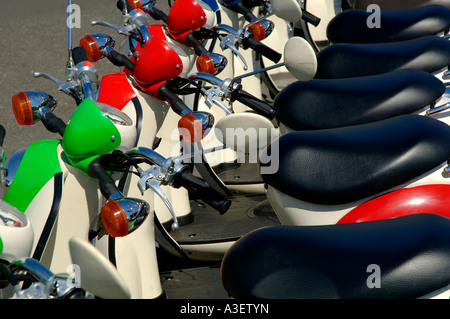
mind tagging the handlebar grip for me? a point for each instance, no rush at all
(107, 185)
(157, 14)
(175, 102)
(310, 18)
(78, 55)
(246, 12)
(256, 104)
(198, 188)
(53, 123)
(119, 5)
(119, 59)
(262, 49)
(198, 47)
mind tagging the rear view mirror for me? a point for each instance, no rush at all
(288, 10)
(300, 59)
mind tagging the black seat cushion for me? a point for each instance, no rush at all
(342, 165)
(345, 60)
(330, 103)
(412, 253)
(351, 26)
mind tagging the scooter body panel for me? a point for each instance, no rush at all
(292, 211)
(67, 204)
(153, 119)
(29, 179)
(115, 90)
(407, 201)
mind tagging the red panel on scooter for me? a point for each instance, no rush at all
(431, 199)
(115, 90)
(156, 30)
(157, 63)
(184, 17)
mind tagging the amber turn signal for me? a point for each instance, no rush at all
(89, 44)
(22, 109)
(259, 32)
(114, 219)
(205, 64)
(135, 4)
(190, 128)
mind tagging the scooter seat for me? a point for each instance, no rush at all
(404, 257)
(345, 60)
(347, 164)
(351, 26)
(330, 103)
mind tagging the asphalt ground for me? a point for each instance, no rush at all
(34, 37)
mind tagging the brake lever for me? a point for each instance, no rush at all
(153, 178)
(215, 95)
(233, 48)
(63, 86)
(230, 40)
(121, 30)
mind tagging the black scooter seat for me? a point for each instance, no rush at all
(322, 104)
(351, 26)
(345, 60)
(343, 165)
(404, 257)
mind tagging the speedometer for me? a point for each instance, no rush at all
(16, 233)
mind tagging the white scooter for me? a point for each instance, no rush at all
(148, 113)
(22, 277)
(73, 195)
(248, 122)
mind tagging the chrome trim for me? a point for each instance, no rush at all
(206, 77)
(47, 285)
(153, 156)
(147, 6)
(446, 75)
(41, 103)
(438, 109)
(220, 61)
(34, 267)
(205, 118)
(105, 43)
(269, 26)
(12, 165)
(136, 211)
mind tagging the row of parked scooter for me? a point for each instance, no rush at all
(230, 136)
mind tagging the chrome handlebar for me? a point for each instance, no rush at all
(85, 86)
(232, 40)
(46, 285)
